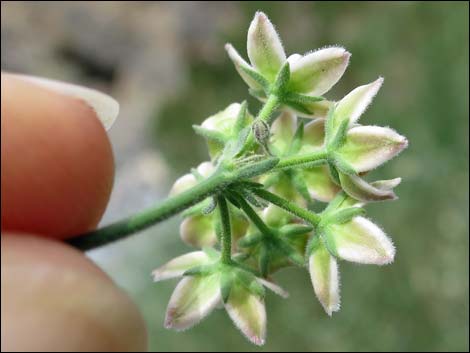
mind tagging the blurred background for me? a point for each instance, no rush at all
(165, 63)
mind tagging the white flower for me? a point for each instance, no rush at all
(311, 75)
(358, 240)
(210, 285)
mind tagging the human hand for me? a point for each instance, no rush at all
(56, 175)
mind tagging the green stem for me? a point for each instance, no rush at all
(226, 230)
(146, 218)
(298, 211)
(171, 206)
(268, 109)
(308, 159)
(253, 216)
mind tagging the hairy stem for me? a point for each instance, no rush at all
(308, 159)
(170, 206)
(253, 216)
(267, 111)
(148, 217)
(226, 230)
(298, 211)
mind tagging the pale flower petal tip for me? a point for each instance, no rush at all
(324, 275)
(248, 313)
(105, 107)
(264, 46)
(362, 241)
(355, 103)
(192, 300)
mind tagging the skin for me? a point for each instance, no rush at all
(57, 173)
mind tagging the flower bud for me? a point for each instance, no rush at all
(264, 46)
(360, 240)
(324, 274)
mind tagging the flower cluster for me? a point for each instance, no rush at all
(299, 150)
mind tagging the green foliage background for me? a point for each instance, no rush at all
(421, 301)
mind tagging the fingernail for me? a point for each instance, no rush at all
(105, 107)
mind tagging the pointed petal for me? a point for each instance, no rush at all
(323, 270)
(179, 265)
(314, 135)
(240, 63)
(264, 47)
(192, 300)
(183, 183)
(283, 130)
(316, 72)
(361, 190)
(248, 313)
(388, 184)
(362, 241)
(355, 103)
(368, 147)
(319, 183)
(274, 287)
(106, 107)
(198, 231)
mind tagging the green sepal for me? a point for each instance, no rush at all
(302, 98)
(333, 173)
(203, 270)
(342, 166)
(238, 145)
(281, 81)
(336, 202)
(339, 138)
(299, 107)
(241, 120)
(296, 143)
(330, 242)
(263, 82)
(313, 243)
(226, 284)
(248, 280)
(344, 215)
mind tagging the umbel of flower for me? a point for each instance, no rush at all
(264, 175)
(346, 235)
(311, 75)
(207, 284)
